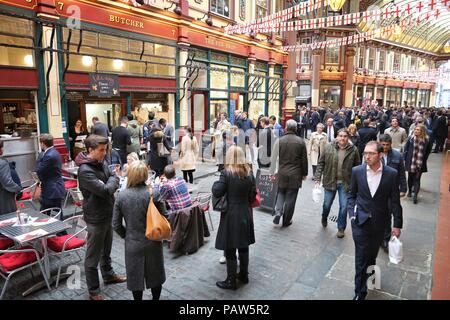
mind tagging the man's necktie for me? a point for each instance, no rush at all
(329, 134)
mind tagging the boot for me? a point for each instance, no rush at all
(230, 281)
(243, 267)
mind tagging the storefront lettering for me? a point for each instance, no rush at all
(221, 44)
(125, 21)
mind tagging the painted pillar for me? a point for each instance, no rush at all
(385, 96)
(403, 98)
(272, 109)
(350, 55)
(184, 111)
(315, 77)
(251, 87)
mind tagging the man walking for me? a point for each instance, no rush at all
(289, 153)
(98, 185)
(398, 135)
(49, 172)
(334, 169)
(99, 128)
(330, 130)
(373, 195)
(120, 140)
(366, 134)
(393, 159)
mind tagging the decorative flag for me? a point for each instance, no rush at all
(330, 21)
(321, 23)
(311, 6)
(396, 12)
(312, 23)
(347, 19)
(356, 18)
(297, 11)
(317, 5)
(338, 21)
(303, 8)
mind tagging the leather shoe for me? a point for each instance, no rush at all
(228, 283)
(96, 297)
(287, 224)
(243, 277)
(415, 200)
(358, 297)
(115, 279)
(340, 234)
(276, 220)
(324, 222)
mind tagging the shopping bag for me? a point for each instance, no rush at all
(257, 202)
(395, 250)
(158, 228)
(316, 194)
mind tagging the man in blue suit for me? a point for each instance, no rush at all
(373, 195)
(49, 172)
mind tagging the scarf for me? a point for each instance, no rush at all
(417, 158)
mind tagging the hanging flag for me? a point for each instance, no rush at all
(311, 6)
(317, 5)
(321, 23)
(303, 8)
(312, 23)
(396, 12)
(330, 21)
(366, 16)
(338, 21)
(356, 17)
(347, 19)
(304, 24)
(297, 11)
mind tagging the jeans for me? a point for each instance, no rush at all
(115, 157)
(328, 202)
(285, 205)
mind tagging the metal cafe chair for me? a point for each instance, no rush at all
(29, 192)
(69, 183)
(13, 261)
(52, 213)
(77, 197)
(204, 200)
(75, 241)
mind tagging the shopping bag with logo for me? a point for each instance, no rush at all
(317, 194)
(395, 250)
(158, 228)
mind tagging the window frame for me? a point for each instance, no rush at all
(226, 3)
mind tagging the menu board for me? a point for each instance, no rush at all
(268, 188)
(104, 85)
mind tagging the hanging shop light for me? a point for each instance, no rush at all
(28, 59)
(447, 47)
(118, 64)
(87, 61)
(336, 5)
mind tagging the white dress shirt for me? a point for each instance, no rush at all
(374, 178)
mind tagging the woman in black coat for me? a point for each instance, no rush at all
(236, 229)
(156, 162)
(144, 260)
(417, 150)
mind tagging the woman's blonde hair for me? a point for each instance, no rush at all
(351, 127)
(235, 162)
(137, 174)
(423, 131)
(134, 156)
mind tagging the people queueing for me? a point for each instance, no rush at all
(9, 188)
(334, 171)
(291, 158)
(188, 155)
(417, 150)
(373, 196)
(121, 139)
(144, 259)
(317, 143)
(236, 229)
(48, 169)
(393, 159)
(98, 184)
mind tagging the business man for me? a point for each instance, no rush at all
(330, 130)
(393, 159)
(121, 138)
(48, 170)
(99, 128)
(373, 195)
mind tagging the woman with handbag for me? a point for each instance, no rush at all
(188, 155)
(157, 159)
(144, 260)
(236, 229)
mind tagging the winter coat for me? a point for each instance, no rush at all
(236, 228)
(144, 259)
(8, 189)
(409, 151)
(98, 185)
(189, 153)
(156, 162)
(48, 170)
(135, 131)
(317, 143)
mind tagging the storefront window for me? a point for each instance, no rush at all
(361, 58)
(219, 81)
(221, 7)
(372, 53)
(238, 77)
(261, 8)
(216, 108)
(306, 54)
(329, 96)
(397, 60)
(200, 76)
(20, 33)
(332, 55)
(382, 60)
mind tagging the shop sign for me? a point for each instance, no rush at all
(104, 85)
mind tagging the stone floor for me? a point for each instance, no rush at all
(303, 261)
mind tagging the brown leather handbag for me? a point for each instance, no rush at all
(158, 228)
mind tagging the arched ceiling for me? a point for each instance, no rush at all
(430, 35)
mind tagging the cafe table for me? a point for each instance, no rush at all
(39, 228)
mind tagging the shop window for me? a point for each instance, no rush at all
(413, 63)
(219, 81)
(221, 7)
(332, 55)
(219, 57)
(306, 54)
(382, 61)
(199, 54)
(361, 57)
(200, 79)
(261, 8)
(397, 61)
(372, 54)
(217, 107)
(330, 95)
(238, 61)
(20, 32)
(237, 77)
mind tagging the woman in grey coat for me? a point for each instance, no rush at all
(144, 260)
(8, 188)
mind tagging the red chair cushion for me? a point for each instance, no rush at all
(13, 260)
(25, 196)
(69, 184)
(78, 203)
(5, 243)
(57, 243)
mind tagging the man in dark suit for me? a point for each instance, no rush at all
(301, 123)
(49, 172)
(373, 195)
(393, 159)
(366, 134)
(339, 121)
(440, 131)
(99, 128)
(330, 130)
(314, 120)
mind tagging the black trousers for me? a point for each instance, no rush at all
(99, 243)
(285, 204)
(440, 141)
(414, 182)
(188, 176)
(368, 239)
(314, 170)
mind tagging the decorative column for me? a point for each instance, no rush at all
(315, 77)
(350, 55)
(273, 100)
(251, 78)
(184, 108)
(403, 97)
(385, 96)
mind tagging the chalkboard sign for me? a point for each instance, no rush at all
(268, 188)
(104, 85)
(207, 147)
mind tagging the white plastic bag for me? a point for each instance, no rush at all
(395, 250)
(316, 194)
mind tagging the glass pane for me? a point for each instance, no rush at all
(238, 79)
(201, 79)
(238, 61)
(219, 57)
(16, 26)
(199, 112)
(219, 78)
(115, 43)
(219, 94)
(216, 107)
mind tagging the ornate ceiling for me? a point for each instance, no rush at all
(430, 35)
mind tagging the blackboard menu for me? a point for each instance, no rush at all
(207, 146)
(268, 188)
(104, 85)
